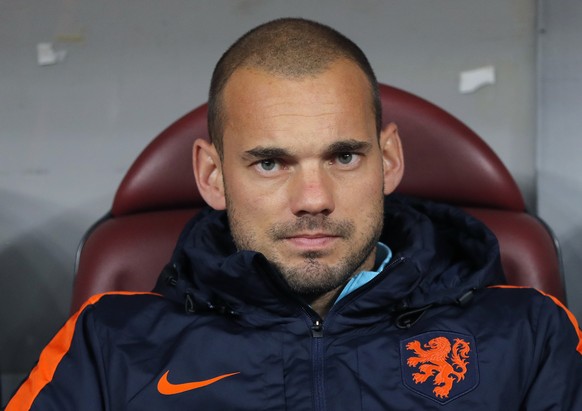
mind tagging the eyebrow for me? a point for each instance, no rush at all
(348, 146)
(261, 152)
(344, 146)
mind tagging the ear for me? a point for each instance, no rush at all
(208, 174)
(392, 157)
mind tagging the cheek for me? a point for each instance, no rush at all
(364, 204)
(253, 200)
(361, 192)
(253, 207)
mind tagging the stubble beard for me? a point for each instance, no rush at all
(311, 277)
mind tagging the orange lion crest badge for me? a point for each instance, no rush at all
(439, 365)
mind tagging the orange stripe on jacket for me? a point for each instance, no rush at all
(50, 358)
(559, 304)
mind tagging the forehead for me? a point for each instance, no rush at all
(261, 106)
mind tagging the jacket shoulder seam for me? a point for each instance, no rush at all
(50, 358)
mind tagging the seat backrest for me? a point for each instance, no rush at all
(445, 161)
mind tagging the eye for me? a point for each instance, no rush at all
(345, 158)
(267, 165)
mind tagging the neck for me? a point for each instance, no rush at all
(321, 304)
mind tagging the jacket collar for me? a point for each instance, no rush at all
(440, 254)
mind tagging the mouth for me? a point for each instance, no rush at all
(311, 241)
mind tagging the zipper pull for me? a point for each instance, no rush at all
(317, 329)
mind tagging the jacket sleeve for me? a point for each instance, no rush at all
(69, 373)
(557, 374)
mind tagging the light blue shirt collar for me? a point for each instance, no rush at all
(383, 256)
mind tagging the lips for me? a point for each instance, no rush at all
(312, 241)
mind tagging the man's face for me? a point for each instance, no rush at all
(303, 173)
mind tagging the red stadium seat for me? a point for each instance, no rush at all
(445, 161)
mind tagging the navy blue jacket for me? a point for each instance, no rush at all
(222, 331)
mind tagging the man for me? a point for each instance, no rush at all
(312, 290)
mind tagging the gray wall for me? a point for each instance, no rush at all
(70, 130)
(559, 179)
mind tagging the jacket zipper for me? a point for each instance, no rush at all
(315, 322)
(318, 357)
(318, 365)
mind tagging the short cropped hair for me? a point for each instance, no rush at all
(291, 48)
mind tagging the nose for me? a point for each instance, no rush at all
(312, 191)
